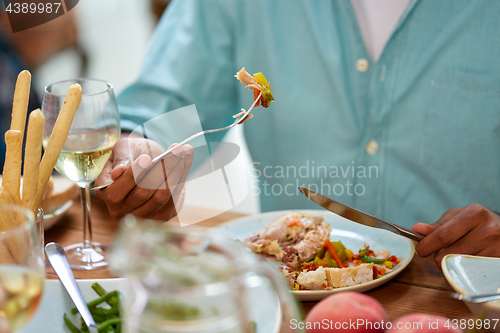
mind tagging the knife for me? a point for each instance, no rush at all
(358, 216)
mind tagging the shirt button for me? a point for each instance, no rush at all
(362, 65)
(372, 147)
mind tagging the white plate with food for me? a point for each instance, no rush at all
(294, 239)
(263, 305)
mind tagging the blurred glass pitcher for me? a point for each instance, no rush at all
(184, 281)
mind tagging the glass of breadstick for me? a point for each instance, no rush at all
(93, 132)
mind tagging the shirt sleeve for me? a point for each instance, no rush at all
(190, 61)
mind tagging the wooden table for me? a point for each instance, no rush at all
(421, 287)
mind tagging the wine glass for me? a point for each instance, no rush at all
(94, 131)
(22, 267)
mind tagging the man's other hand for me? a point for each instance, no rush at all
(471, 230)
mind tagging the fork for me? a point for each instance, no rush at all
(57, 258)
(476, 298)
(192, 137)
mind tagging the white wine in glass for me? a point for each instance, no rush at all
(93, 133)
(84, 154)
(21, 268)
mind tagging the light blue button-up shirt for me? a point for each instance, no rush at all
(405, 139)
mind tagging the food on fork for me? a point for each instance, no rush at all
(258, 83)
(243, 111)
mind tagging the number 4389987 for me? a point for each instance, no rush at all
(471, 323)
(32, 8)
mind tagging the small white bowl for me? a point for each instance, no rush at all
(473, 275)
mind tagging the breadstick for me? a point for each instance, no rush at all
(7, 219)
(20, 103)
(11, 179)
(5, 256)
(32, 156)
(15, 245)
(58, 137)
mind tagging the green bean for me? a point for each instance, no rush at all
(98, 289)
(110, 329)
(103, 298)
(101, 292)
(108, 320)
(104, 312)
(107, 323)
(70, 325)
(372, 260)
(98, 301)
(99, 318)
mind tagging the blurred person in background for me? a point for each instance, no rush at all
(410, 87)
(158, 7)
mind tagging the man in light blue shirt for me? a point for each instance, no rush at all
(407, 138)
